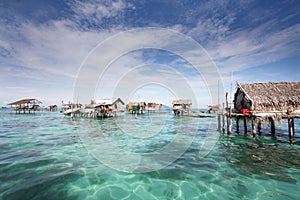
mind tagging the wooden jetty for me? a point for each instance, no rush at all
(24, 106)
(263, 102)
(182, 106)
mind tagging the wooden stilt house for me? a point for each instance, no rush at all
(182, 106)
(26, 105)
(279, 98)
(153, 107)
(261, 101)
(136, 107)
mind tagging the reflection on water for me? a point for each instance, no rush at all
(43, 157)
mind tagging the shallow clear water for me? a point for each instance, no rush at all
(46, 156)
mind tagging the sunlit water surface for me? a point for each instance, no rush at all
(43, 156)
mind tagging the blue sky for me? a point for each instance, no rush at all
(43, 43)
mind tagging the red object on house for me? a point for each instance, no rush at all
(245, 111)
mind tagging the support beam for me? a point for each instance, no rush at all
(245, 125)
(219, 122)
(228, 115)
(272, 121)
(237, 124)
(291, 129)
(223, 119)
(229, 125)
(253, 126)
(259, 126)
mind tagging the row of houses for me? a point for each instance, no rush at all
(259, 99)
(110, 108)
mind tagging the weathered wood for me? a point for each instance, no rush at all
(272, 121)
(219, 122)
(291, 129)
(223, 119)
(245, 125)
(229, 122)
(253, 126)
(228, 116)
(237, 119)
(259, 126)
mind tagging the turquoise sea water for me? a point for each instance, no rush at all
(46, 156)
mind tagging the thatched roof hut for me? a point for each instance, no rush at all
(281, 97)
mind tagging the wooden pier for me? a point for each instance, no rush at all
(263, 102)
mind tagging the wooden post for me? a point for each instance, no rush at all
(223, 119)
(253, 127)
(229, 125)
(237, 124)
(272, 121)
(259, 126)
(245, 125)
(228, 115)
(291, 129)
(219, 122)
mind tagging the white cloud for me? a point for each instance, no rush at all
(49, 55)
(94, 12)
(235, 50)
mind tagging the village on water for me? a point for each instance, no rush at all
(253, 104)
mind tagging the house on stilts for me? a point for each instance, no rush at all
(103, 108)
(153, 107)
(136, 107)
(267, 101)
(182, 107)
(25, 106)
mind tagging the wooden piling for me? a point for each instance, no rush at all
(253, 126)
(223, 119)
(219, 122)
(237, 124)
(245, 125)
(259, 126)
(272, 121)
(229, 126)
(228, 115)
(291, 129)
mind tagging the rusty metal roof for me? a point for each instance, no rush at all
(24, 101)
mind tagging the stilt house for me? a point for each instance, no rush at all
(279, 98)
(182, 106)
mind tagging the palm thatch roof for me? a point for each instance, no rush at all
(271, 96)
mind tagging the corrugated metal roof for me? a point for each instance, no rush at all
(107, 101)
(182, 101)
(24, 101)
